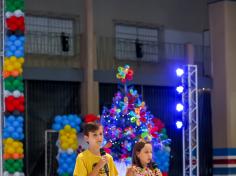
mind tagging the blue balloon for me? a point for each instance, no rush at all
(19, 130)
(12, 48)
(15, 135)
(12, 38)
(8, 53)
(18, 43)
(5, 135)
(10, 129)
(19, 53)
(20, 119)
(22, 38)
(16, 124)
(58, 119)
(56, 127)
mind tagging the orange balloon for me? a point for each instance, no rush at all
(15, 73)
(16, 156)
(6, 74)
(21, 155)
(6, 156)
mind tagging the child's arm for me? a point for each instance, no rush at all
(99, 165)
(130, 171)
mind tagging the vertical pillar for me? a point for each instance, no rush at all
(89, 88)
(222, 15)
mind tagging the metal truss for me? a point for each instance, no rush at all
(190, 132)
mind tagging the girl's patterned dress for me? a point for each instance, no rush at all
(146, 171)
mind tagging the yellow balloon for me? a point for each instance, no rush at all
(64, 146)
(21, 60)
(67, 128)
(10, 150)
(20, 150)
(13, 59)
(9, 141)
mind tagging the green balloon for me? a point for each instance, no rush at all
(11, 170)
(16, 83)
(10, 161)
(21, 88)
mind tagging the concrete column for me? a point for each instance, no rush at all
(189, 53)
(222, 16)
(89, 88)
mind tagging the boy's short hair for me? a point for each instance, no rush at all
(91, 127)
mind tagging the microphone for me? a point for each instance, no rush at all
(154, 165)
(157, 171)
(103, 153)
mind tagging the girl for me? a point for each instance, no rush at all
(142, 161)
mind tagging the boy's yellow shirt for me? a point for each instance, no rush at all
(86, 161)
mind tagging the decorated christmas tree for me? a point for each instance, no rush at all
(128, 120)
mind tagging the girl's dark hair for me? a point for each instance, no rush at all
(91, 127)
(137, 148)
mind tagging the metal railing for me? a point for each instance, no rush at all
(47, 50)
(112, 50)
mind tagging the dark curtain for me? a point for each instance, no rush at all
(44, 100)
(205, 133)
(161, 102)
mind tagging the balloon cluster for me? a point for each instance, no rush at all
(16, 23)
(66, 163)
(124, 73)
(68, 138)
(61, 121)
(13, 149)
(13, 132)
(13, 86)
(68, 127)
(127, 121)
(13, 128)
(17, 13)
(15, 46)
(13, 165)
(12, 103)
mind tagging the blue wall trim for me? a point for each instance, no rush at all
(224, 152)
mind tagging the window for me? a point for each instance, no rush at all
(134, 42)
(52, 36)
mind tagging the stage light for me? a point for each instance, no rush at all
(179, 124)
(179, 107)
(180, 89)
(179, 72)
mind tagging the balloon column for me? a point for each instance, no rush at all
(13, 132)
(68, 127)
(128, 120)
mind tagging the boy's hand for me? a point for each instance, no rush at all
(102, 162)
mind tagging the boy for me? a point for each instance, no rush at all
(90, 162)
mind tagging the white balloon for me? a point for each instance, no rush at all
(16, 93)
(5, 173)
(7, 93)
(16, 174)
(18, 13)
(70, 151)
(8, 14)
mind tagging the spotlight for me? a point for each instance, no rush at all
(180, 89)
(179, 72)
(179, 124)
(179, 107)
